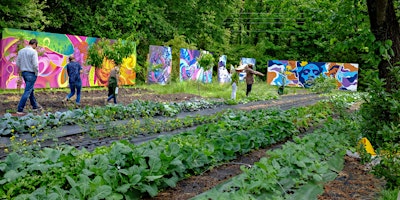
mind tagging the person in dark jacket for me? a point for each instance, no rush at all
(250, 77)
(113, 84)
(74, 70)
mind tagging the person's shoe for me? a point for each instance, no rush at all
(20, 114)
(64, 101)
(38, 108)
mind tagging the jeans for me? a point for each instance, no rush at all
(113, 96)
(77, 86)
(112, 84)
(30, 79)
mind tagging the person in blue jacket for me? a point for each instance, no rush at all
(74, 70)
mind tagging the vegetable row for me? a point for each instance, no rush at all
(126, 171)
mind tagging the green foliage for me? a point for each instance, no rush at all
(389, 194)
(112, 50)
(206, 60)
(235, 77)
(381, 109)
(23, 14)
(324, 85)
(389, 165)
(124, 169)
(296, 171)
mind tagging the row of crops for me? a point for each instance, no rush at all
(34, 124)
(127, 171)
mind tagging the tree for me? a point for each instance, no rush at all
(22, 14)
(384, 26)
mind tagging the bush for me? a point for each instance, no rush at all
(323, 85)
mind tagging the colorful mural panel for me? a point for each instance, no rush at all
(160, 64)
(190, 69)
(53, 50)
(223, 75)
(299, 72)
(245, 61)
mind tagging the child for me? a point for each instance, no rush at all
(113, 84)
(235, 81)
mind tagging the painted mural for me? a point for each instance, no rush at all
(245, 61)
(160, 64)
(223, 75)
(190, 69)
(298, 73)
(53, 50)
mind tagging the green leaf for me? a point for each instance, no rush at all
(101, 192)
(336, 163)
(61, 193)
(308, 191)
(173, 149)
(155, 164)
(115, 196)
(52, 154)
(71, 181)
(171, 182)
(13, 161)
(124, 188)
(3, 166)
(152, 178)
(135, 179)
(53, 196)
(12, 175)
(151, 189)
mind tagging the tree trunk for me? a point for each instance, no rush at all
(384, 26)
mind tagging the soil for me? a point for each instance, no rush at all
(51, 101)
(353, 183)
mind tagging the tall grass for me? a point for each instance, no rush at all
(217, 90)
(260, 89)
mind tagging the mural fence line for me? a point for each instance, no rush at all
(54, 50)
(223, 75)
(190, 69)
(298, 73)
(160, 64)
(245, 61)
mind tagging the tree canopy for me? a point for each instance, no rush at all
(318, 30)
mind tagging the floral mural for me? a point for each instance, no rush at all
(54, 50)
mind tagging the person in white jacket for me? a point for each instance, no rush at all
(27, 63)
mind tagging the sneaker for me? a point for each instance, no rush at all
(38, 108)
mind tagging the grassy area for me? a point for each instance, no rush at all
(260, 89)
(217, 90)
(389, 195)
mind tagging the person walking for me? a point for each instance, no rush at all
(113, 84)
(74, 70)
(250, 77)
(27, 63)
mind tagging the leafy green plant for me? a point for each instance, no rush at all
(115, 50)
(323, 85)
(124, 170)
(206, 60)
